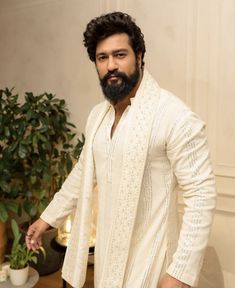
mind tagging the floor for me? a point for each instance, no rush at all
(54, 280)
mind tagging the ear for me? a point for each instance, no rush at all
(139, 59)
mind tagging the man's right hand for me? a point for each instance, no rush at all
(34, 233)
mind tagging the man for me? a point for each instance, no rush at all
(141, 143)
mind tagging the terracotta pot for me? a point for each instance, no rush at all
(3, 241)
(19, 276)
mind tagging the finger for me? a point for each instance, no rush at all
(34, 244)
(27, 241)
(32, 239)
(35, 240)
(28, 237)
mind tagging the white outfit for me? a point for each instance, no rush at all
(158, 144)
(108, 157)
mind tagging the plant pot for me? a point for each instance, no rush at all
(3, 241)
(19, 276)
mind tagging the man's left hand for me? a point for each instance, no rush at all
(168, 281)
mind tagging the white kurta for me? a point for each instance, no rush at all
(149, 229)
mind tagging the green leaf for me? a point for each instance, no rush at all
(69, 164)
(42, 250)
(35, 139)
(12, 206)
(33, 179)
(33, 211)
(3, 213)
(27, 205)
(5, 186)
(7, 132)
(13, 146)
(42, 137)
(47, 176)
(23, 151)
(34, 259)
(15, 229)
(42, 206)
(42, 193)
(29, 115)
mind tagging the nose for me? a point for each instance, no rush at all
(112, 64)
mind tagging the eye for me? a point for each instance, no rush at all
(101, 57)
(120, 55)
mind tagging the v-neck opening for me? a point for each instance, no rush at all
(111, 137)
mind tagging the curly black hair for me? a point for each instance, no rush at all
(106, 25)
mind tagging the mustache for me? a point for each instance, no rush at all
(114, 74)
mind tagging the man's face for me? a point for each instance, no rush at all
(118, 67)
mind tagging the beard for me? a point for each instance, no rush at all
(118, 90)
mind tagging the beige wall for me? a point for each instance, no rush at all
(41, 50)
(190, 51)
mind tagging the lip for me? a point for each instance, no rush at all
(113, 78)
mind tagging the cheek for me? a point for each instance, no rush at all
(131, 67)
(100, 71)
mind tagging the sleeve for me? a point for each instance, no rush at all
(65, 200)
(189, 156)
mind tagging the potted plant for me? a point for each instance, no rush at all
(37, 151)
(20, 257)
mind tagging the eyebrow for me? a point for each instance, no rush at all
(113, 52)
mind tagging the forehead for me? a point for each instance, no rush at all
(114, 42)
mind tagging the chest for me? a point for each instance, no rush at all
(112, 136)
